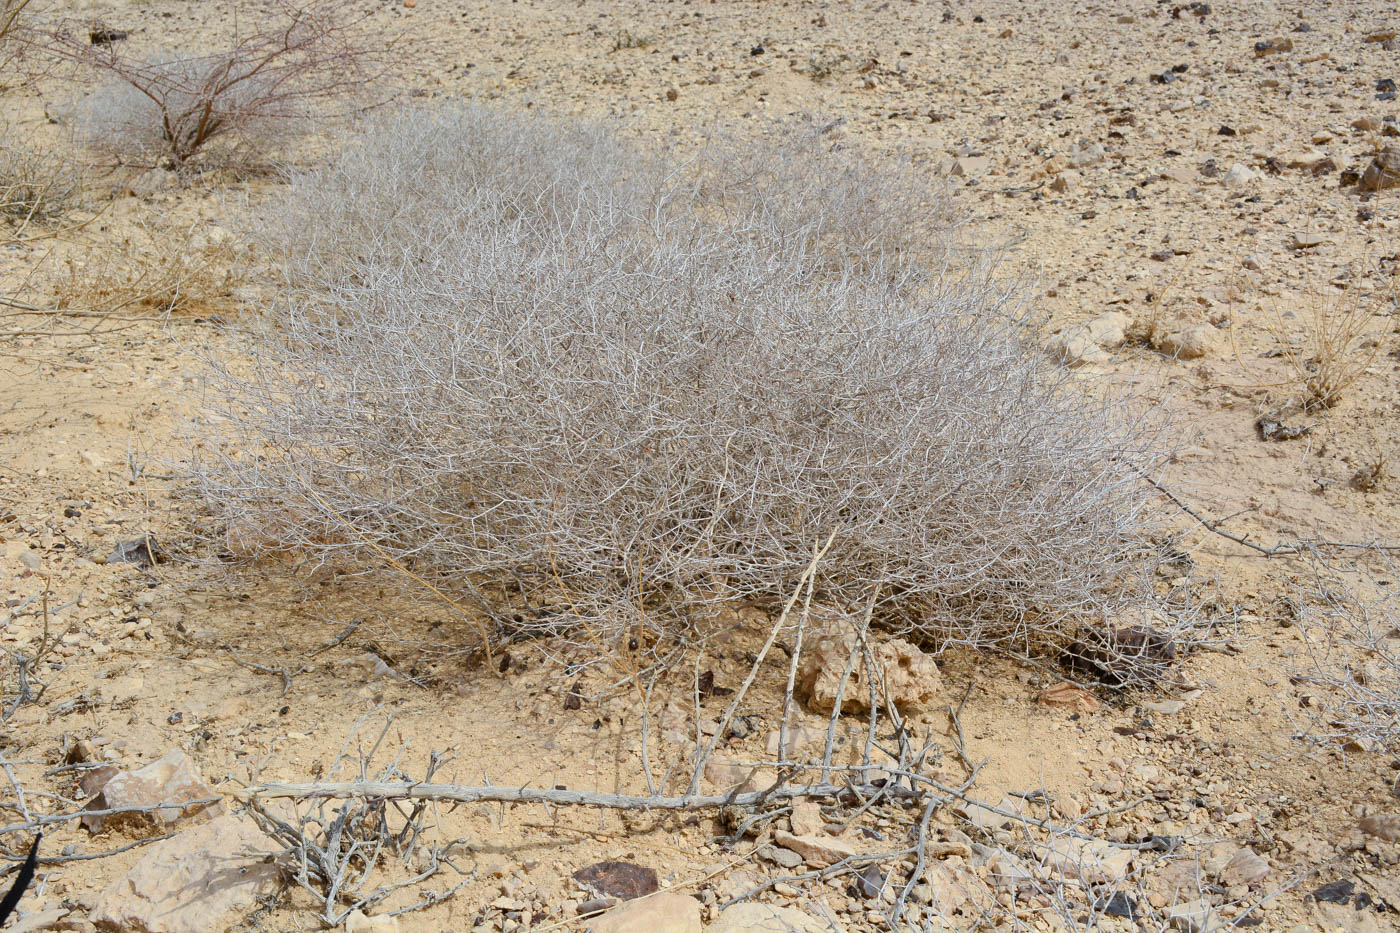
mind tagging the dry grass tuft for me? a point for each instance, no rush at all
(596, 392)
(151, 269)
(1330, 346)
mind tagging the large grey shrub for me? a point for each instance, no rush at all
(525, 362)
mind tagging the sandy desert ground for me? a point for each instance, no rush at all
(1181, 168)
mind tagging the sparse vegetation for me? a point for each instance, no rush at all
(1351, 623)
(34, 186)
(153, 268)
(229, 107)
(1330, 347)
(626, 39)
(541, 371)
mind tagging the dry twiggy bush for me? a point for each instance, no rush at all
(34, 186)
(229, 107)
(596, 391)
(1350, 621)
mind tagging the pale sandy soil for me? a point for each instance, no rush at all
(90, 423)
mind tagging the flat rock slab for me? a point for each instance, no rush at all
(203, 880)
(768, 918)
(663, 913)
(817, 851)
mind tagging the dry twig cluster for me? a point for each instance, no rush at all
(1350, 620)
(335, 853)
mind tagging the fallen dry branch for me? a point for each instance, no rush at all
(459, 793)
(50, 819)
(1279, 549)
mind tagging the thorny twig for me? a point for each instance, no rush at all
(1280, 549)
(274, 671)
(25, 665)
(334, 854)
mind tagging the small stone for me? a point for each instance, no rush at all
(1089, 860)
(1382, 826)
(1307, 240)
(985, 818)
(911, 679)
(1165, 707)
(778, 855)
(726, 775)
(1088, 343)
(359, 921)
(1075, 349)
(1195, 917)
(170, 780)
(619, 879)
(798, 740)
(672, 93)
(870, 882)
(1383, 172)
(807, 819)
(29, 560)
(753, 917)
(817, 851)
(1238, 176)
(1244, 868)
(595, 906)
(971, 166)
(954, 885)
(1188, 344)
(1091, 154)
